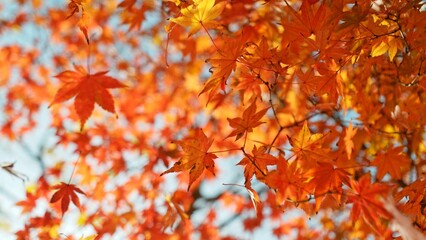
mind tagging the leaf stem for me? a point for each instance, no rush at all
(205, 29)
(227, 150)
(253, 162)
(88, 58)
(75, 166)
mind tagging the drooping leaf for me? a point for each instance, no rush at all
(66, 193)
(8, 167)
(87, 89)
(75, 6)
(196, 157)
(90, 237)
(255, 200)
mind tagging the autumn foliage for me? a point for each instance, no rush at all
(215, 119)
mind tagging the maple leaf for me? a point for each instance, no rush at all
(256, 164)
(88, 89)
(330, 81)
(394, 45)
(327, 178)
(414, 194)
(379, 49)
(250, 120)
(366, 199)
(29, 203)
(200, 14)
(196, 157)
(349, 144)
(288, 180)
(223, 64)
(307, 22)
(66, 192)
(173, 210)
(135, 16)
(393, 161)
(306, 145)
(354, 17)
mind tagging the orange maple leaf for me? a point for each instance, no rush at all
(223, 64)
(288, 180)
(328, 179)
(330, 81)
(393, 162)
(349, 144)
(88, 89)
(308, 20)
(66, 192)
(250, 120)
(200, 14)
(134, 16)
(414, 195)
(29, 203)
(196, 157)
(256, 164)
(366, 199)
(306, 145)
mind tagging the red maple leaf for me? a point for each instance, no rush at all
(87, 89)
(66, 193)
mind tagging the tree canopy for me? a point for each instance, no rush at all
(181, 119)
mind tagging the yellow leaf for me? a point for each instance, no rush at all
(379, 49)
(254, 197)
(91, 237)
(82, 219)
(384, 23)
(394, 45)
(201, 14)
